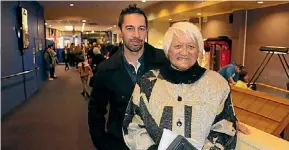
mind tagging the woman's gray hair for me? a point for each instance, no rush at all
(179, 28)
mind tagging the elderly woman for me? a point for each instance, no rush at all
(182, 105)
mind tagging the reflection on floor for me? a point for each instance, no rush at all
(272, 91)
(53, 119)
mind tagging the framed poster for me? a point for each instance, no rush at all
(23, 34)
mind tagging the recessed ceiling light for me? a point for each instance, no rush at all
(199, 14)
(170, 19)
(71, 5)
(68, 28)
(260, 2)
(92, 31)
(114, 25)
(83, 21)
(143, 1)
(45, 23)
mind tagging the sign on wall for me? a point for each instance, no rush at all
(23, 34)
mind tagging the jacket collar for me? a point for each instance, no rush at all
(151, 55)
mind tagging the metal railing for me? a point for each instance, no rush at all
(20, 73)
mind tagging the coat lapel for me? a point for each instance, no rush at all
(120, 75)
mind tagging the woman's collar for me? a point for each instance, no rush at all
(188, 76)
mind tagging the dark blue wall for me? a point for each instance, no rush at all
(12, 89)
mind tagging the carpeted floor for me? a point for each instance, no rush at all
(55, 118)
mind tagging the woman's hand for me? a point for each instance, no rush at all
(243, 129)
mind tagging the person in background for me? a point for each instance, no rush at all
(65, 55)
(243, 79)
(230, 72)
(97, 56)
(85, 73)
(116, 77)
(181, 104)
(48, 63)
(53, 57)
(72, 54)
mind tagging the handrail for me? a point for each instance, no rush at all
(20, 73)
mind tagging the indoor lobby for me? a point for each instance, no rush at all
(42, 112)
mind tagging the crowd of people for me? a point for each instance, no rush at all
(93, 53)
(84, 58)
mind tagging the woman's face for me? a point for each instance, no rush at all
(183, 52)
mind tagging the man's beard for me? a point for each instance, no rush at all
(131, 48)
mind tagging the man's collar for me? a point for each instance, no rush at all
(140, 60)
(149, 56)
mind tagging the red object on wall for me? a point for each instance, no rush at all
(220, 51)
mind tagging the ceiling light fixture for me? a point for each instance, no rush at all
(45, 23)
(68, 28)
(143, 1)
(199, 14)
(71, 5)
(50, 26)
(92, 31)
(114, 25)
(170, 19)
(83, 21)
(260, 2)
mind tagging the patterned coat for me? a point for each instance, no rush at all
(195, 104)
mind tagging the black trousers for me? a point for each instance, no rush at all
(52, 71)
(66, 64)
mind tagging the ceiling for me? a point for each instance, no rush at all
(99, 15)
(103, 15)
(219, 8)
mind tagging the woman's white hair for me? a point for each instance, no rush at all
(179, 29)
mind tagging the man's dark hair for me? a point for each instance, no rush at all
(131, 9)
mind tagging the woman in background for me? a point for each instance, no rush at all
(85, 73)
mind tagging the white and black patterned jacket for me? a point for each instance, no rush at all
(195, 104)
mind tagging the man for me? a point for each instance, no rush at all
(65, 54)
(230, 72)
(116, 77)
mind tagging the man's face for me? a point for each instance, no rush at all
(133, 32)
